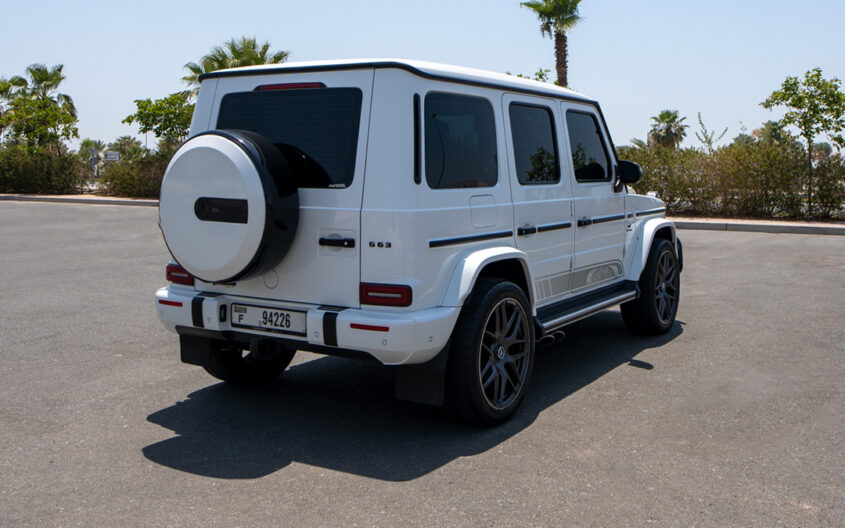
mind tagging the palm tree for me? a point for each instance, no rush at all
(668, 129)
(43, 83)
(556, 18)
(91, 152)
(128, 147)
(244, 51)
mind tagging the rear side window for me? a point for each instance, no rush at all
(316, 128)
(460, 142)
(534, 145)
(589, 156)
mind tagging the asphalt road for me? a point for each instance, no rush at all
(736, 418)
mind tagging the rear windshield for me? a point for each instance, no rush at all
(316, 128)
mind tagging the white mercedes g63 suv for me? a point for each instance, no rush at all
(436, 218)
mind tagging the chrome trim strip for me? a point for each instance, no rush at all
(569, 318)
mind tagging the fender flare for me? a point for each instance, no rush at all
(469, 267)
(645, 237)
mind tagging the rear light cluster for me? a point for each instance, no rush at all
(385, 294)
(178, 275)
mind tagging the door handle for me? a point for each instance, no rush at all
(584, 222)
(338, 242)
(527, 230)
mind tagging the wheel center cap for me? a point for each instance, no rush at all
(500, 353)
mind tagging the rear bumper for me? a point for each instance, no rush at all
(392, 338)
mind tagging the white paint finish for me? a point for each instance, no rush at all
(311, 273)
(410, 215)
(213, 167)
(469, 265)
(602, 242)
(384, 206)
(549, 254)
(646, 227)
(482, 211)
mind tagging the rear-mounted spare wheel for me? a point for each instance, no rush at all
(229, 206)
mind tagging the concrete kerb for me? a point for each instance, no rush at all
(753, 226)
(81, 199)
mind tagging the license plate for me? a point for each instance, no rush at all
(268, 319)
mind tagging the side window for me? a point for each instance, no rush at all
(589, 156)
(534, 145)
(460, 142)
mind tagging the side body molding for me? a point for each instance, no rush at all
(469, 266)
(645, 236)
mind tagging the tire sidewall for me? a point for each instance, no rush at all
(663, 246)
(486, 297)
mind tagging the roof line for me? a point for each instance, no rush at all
(394, 65)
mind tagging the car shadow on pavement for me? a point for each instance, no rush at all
(340, 414)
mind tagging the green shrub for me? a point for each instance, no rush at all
(139, 178)
(760, 179)
(30, 170)
(750, 178)
(829, 191)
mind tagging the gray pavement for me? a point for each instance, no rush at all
(736, 418)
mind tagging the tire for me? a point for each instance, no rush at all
(236, 368)
(653, 312)
(489, 371)
(229, 206)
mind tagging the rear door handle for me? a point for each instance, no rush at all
(584, 222)
(338, 242)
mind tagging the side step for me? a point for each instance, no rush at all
(560, 314)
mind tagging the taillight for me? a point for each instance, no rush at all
(178, 275)
(289, 86)
(385, 294)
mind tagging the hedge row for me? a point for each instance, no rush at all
(36, 171)
(753, 179)
(139, 178)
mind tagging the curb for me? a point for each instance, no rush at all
(750, 227)
(798, 229)
(79, 200)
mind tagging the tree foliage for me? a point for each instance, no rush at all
(557, 17)
(32, 110)
(169, 118)
(814, 106)
(668, 129)
(234, 53)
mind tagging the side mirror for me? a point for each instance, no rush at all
(629, 172)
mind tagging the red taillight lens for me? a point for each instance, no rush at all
(385, 294)
(178, 275)
(289, 86)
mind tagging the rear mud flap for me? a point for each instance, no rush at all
(424, 383)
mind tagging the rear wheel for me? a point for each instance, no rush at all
(660, 287)
(257, 367)
(492, 354)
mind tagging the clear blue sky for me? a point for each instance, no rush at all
(718, 57)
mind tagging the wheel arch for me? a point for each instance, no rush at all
(649, 231)
(501, 262)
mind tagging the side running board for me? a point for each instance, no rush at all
(568, 311)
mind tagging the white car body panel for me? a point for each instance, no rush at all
(437, 241)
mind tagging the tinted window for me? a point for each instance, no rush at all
(534, 146)
(460, 142)
(316, 128)
(589, 156)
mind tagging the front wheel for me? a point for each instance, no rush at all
(492, 354)
(660, 288)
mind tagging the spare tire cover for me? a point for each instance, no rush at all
(228, 206)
